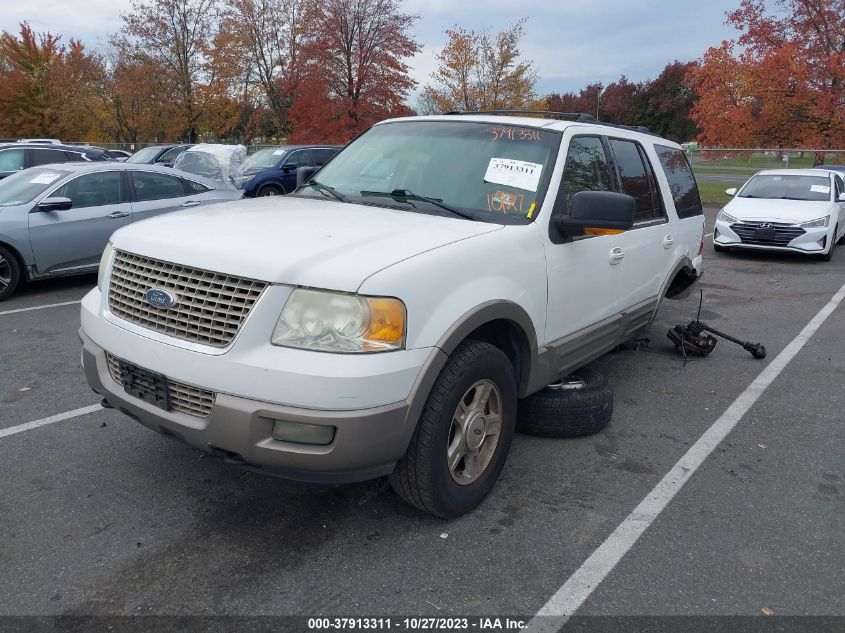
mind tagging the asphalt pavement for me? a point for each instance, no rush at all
(100, 516)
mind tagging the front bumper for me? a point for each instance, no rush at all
(367, 442)
(805, 240)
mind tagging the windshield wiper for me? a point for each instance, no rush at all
(403, 195)
(790, 198)
(321, 187)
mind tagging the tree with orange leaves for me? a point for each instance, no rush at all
(48, 88)
(481, 71)
(782, 83)
(351, 72)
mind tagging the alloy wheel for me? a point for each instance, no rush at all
(475, 431)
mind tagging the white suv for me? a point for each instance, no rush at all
(386, 317)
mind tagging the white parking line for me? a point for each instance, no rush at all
(52, 305)
(601, 562)
(20, 428)
(708, 235)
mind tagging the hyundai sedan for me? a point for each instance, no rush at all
(56, 220)
(797, 210)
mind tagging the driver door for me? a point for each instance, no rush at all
(75, 238)
(585, 273)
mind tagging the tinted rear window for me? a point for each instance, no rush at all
(681, 181)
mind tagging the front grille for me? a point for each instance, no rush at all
(185, 398)
(210, 307)
(784, 233)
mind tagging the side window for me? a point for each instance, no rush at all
(73, 156)
(93, 190)
(840, 186)
(192, 188)
(637, 179)
(11, 159)
(300, 158)
(586, 167)
(681, 181)
(322, 156)
(153, 186)
(172, 154)
(46, 156)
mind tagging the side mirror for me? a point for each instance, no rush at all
(598, 210)
(731, 192)
(288, 167)
(55, 204)
(304, 175)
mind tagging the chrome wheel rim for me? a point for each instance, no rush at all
(570, 383)
(268, 192)
(475, 431)
(5, 273)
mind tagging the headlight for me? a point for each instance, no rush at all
(246, 179)
(727, 218)
(814, 224)
(104, 263)
(327, 321)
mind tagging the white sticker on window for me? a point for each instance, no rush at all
(819, 188)
(278, 152)
(514, 173)
(44, 179)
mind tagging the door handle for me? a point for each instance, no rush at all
(616, 256)
(668, 241)
(117, 215)
(191, 203)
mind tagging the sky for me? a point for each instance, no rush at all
(572, 42)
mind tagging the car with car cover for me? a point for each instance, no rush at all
(56, 220)
(388, 317)
(162, 155)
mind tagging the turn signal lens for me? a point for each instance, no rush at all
(387, 324)
(104, 264)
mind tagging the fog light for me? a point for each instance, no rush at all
(300, 433)
(822, 242)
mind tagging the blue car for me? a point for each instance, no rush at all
(272, 171)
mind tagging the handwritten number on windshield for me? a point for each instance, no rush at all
(514, 134)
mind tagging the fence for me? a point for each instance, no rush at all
(755, 159)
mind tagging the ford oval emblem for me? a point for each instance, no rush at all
(159, 298)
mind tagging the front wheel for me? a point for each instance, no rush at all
(10, 273)
(464, 433)
(269, 190)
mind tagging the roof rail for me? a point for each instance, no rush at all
(578, 117)
(563, 116)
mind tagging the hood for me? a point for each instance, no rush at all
(777, 210)
(296, 241)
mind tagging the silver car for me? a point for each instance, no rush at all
(55, 220)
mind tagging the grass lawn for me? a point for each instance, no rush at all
(713, 193)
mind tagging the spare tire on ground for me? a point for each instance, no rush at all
(580, 404)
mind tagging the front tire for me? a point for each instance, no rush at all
(10, 273)
(269, 190)
(464, 433)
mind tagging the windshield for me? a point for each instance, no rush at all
(787, 187)
(27, 185)
(483, 171)
(144, 156)
(263, 159)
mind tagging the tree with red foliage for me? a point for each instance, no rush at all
(781, 83)
(352, 72)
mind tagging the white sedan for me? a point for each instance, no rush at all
(797, 210)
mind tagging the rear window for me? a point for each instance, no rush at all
(681, 181)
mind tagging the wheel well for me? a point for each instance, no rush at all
(680, 283)
(512, 340)
(18, 257)
(271, 185)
